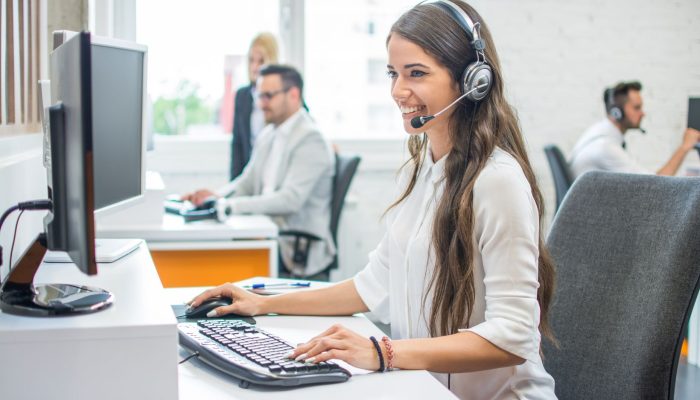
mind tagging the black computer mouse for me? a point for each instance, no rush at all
(201, 310)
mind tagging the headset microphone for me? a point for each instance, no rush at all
(418, 122)
(642, 130)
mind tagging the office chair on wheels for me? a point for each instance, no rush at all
(627, 251)
(345, 168)
(560, 172)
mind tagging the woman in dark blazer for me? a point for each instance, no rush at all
(247, 118)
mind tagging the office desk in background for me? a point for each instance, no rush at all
(200, 381)
(205, 253)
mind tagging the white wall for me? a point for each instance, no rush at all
(22, 178)
(558, 56)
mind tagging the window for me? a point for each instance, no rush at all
(190, 46)
(19, 66)
(347, 89)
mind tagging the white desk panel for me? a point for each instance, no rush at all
(128, 350)
(175, 229)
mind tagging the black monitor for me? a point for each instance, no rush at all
(69, 225)
(118, 88)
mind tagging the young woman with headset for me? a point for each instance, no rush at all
(462, 273)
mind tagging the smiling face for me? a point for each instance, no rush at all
(420, 86)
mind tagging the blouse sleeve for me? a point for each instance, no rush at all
(507, 235)
(372, 283)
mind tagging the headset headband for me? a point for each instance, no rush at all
(463, 19)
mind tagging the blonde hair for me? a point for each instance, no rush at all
(268, 43)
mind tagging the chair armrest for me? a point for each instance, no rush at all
(302, 242)
(302, 234)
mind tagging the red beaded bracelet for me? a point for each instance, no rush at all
(389, 353)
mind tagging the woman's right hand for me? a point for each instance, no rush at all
(198, 197)
(244, 302)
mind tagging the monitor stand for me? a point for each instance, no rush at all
(19, 295)
(106, 251)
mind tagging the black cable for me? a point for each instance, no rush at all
(14, 236)
(25, 205)
(195, 354)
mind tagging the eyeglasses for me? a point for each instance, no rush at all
(267, 96)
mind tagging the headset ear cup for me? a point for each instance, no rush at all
(477, 78)
(616, 113)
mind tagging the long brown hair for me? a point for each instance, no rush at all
(474, 131)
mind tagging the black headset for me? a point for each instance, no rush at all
(477, 78)
(613, 109)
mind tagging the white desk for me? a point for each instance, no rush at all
(199, 381)
(130, 351)
(127, 351)
(205, 252)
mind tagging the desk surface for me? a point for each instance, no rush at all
(131, 275)
(174, 228)
(199, 381)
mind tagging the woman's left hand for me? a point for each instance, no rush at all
(339, 343)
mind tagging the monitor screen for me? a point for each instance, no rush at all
(118, 96)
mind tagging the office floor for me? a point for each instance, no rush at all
(687, 381)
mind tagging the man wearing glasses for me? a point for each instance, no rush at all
(289, 176)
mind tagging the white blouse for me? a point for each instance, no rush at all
(600, 149)
(505, 311)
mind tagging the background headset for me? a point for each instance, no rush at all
(477, 78)
(614, 110)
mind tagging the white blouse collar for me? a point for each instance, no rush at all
(433, 170)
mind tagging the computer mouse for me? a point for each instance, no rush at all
(201, 310)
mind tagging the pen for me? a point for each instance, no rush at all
(277, 285)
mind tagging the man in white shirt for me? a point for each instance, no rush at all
(289, 176)
(602, 146)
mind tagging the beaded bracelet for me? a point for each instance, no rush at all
(389, 353)
(379, 353)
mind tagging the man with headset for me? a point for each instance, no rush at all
(602, 146)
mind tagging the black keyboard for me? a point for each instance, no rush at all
(188, 211)
(253, 355)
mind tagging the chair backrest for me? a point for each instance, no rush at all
(560, 171)
(345, 168)
(627, 251)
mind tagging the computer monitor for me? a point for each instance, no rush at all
(69, 226)
(118, 87)
(119, 139)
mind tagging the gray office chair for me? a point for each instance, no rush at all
(627, 250)
(345, 168)
(563, 178)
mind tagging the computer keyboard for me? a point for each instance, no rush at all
(253, 355)
(188, 211)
